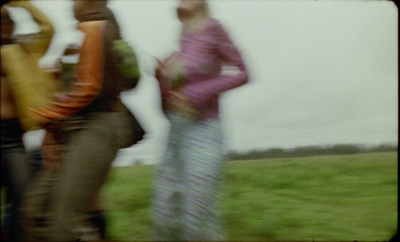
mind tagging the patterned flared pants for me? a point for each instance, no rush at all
(187, 182)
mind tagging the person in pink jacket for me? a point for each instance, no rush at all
(186, 187)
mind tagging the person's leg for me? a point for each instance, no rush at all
(35, 210)
(15, 172)
(84, 168)
(203, 154)
(167, 195)
(99, 221)
(35, 158)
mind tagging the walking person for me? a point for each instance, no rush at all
(187, 182)
(104, 125)
(23, 85)
(49, 157)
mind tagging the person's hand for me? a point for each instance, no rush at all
(52, 151)
(61, 97)
(180, 104)
(171, 72)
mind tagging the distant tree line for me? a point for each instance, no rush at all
(338, 149)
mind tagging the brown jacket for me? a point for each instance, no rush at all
(97, 86)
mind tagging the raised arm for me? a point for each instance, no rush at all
(40, 42)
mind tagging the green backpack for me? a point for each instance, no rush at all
(126, 63)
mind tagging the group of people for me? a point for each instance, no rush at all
(87, 123)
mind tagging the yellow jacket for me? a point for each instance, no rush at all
(31, 87)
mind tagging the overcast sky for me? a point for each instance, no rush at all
(321, 72)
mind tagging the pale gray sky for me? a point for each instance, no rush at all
(321, 72)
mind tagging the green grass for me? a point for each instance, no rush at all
(332, 198)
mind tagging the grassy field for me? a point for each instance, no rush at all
(332, 198)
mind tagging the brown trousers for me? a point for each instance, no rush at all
(72, 190)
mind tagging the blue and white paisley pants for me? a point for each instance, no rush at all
(187, 182)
